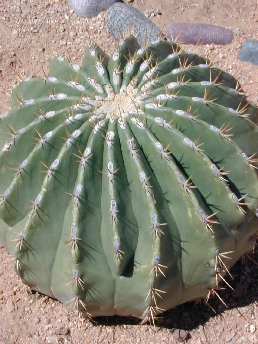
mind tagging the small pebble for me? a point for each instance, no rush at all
(249, 51)
(122, 18)
(90, 8)
(153, 12)
(252, 328)
(191, 33)
(180, 335)
(64, 331)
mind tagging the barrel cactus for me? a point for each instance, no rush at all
(129, 184)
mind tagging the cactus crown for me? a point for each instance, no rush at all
(134, 185)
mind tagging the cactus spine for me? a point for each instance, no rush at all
(135, 186)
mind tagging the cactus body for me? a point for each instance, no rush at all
(134, 185)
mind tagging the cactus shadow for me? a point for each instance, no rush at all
(190, 315)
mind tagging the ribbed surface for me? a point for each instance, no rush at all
(133, 176)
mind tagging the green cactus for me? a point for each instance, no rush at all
(134, 185)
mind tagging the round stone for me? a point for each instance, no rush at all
(123, 19)
(249, 51)
(90, 8)
(192, 33)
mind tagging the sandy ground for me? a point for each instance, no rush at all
(32, 31)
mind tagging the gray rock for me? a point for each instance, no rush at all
(90, 8)
(191, 33)
(123, 19)
(249, 51)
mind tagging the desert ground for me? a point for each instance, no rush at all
(32, 31)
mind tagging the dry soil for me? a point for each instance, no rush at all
(30, 32)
